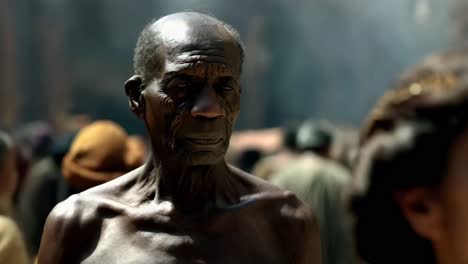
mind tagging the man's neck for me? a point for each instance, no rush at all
(191, 189)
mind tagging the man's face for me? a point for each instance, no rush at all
(191, 108)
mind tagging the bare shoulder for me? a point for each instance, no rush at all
(267, 194)
(77, 209)
(72, 227)
(63, 231)
(285, 203)
(292, 220)
(73, 224)
(295, 225)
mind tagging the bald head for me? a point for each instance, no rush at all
(180, 33)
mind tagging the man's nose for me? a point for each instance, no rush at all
(207, 105)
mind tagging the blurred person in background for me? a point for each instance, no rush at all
(36, 144)
(33, 142)
(411, 187)
(327, 140)
(97, 153)
(100, 152)
(43, 188)
(324, 139)
(271, 162)
(246, 148)
(12, 247)
(322, 183)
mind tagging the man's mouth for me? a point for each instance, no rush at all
(205, 141)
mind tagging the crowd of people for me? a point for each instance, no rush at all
(39, 169)
(392, 191)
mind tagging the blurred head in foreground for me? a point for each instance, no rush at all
(412, 172)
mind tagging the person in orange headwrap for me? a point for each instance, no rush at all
(101, 152)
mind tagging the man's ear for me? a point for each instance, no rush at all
(422, 210)
(133, 88)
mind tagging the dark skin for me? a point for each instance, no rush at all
(186, 205)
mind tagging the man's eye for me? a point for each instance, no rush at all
(178, 89)
(182, 85)
(227, 88)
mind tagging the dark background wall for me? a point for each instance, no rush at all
(318, 58)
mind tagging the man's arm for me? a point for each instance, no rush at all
(61, 239)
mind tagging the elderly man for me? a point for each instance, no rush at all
(186, 205)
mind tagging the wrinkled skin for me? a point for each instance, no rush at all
(186, 205)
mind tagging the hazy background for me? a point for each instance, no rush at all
(305, 58)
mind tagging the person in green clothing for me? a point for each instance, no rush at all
(322, 183)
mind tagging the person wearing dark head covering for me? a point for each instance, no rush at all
(315, 137)
(12, 248)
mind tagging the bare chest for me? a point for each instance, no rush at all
(240, 242)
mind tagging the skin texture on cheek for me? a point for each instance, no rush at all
(232, 108)
(177, 120)
(158, 109)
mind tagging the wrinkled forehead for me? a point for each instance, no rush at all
(193, 39)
